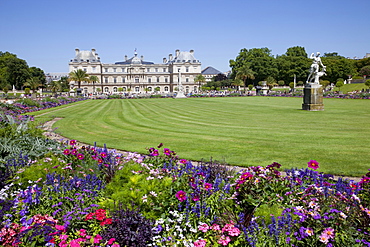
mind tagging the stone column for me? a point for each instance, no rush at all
(313, 97)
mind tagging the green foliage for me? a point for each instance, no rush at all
(29, 102)
(367, 83)
(131, 185)
(339, 84)
(265, 211)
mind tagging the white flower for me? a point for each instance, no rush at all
(144, 198)
(343, 215)
(150, 178)
(153, 193)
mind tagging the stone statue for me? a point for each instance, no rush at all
(315, 74)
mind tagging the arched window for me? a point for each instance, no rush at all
(115, 89)
(150, 89)
(106, 89)
(166, 89)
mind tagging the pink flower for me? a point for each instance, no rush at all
(111, 241)
(154, 153)
(80, 156)
(166, 151)
(75, 243)
(203, 227)
(59, 227)
(207, 186)
(103, 154)
(324, 238)
(82, 232)
(115, 245)
(181, 196)
(234, 231)
(63, 237)
(224, 240)
(215, 227)
(313, 164)
(329, 232)
(66, 151)
(183, 161)
(72, 142)
(200, 243)
(97, 239)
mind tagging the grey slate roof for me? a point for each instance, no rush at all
(134, 60)
(210, 71)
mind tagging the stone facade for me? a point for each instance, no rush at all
(135, 75)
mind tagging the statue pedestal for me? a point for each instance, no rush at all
(313, 97)
(180, 95)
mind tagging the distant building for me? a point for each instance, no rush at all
(137, 75)
(55, 76)
(210, 72)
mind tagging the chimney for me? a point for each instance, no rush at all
(142, 58)
(191, 52)
(177, 53)
(77, 51)
(164, 60)
(93, 51)
(170, 57)
(125, 57)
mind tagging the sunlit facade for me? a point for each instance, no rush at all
(138, 76)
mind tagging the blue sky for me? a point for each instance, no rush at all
(46, 33)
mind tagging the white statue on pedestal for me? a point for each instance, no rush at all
(315, 74)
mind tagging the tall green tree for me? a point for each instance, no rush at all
(38, 73)
(200, 80)
(64, 82)
(55, 86)
(33, 83)
(13, 70)
(237, 83)
(78, 76)
(259, 60)
(338, 67)
(294, 63)
(93, 79)
(243, 73)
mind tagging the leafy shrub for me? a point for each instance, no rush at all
(129, 228)
(28, 102)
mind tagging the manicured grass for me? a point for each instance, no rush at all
(240, 131)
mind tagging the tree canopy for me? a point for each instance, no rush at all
(294, 63)
(15, 71)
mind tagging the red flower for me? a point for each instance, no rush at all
(107, 221)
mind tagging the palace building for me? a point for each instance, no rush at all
(138, 76)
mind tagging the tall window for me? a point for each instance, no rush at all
(165, 79)
(106, 79)
(137, 80)
(94, 69)
(157, 79)
(123, 79)
(149, 80)
(136, 89)
(114, 70)
(106, 69)
(148, 70)
(187, 69)
(166, 89)
(115, 80)
(187, 79)
(164, 69)
(156, 69)
(123, 69)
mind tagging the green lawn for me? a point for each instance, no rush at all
(240, 131)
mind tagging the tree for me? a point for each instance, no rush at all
(13, 70)
(38, 73)
(296, 51)
(55, 86)
(94, 79)
(324, 83)
(244, 73)
(64, 83)
(199, 79)
(339, 84)
(33, 83)
(259, 60)
(238, 83)
(367, 83)
(78, 76)
(365, 71)
(337, 67)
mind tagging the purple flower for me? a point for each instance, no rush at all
(181, 195)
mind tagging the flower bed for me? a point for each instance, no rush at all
(77, 195)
